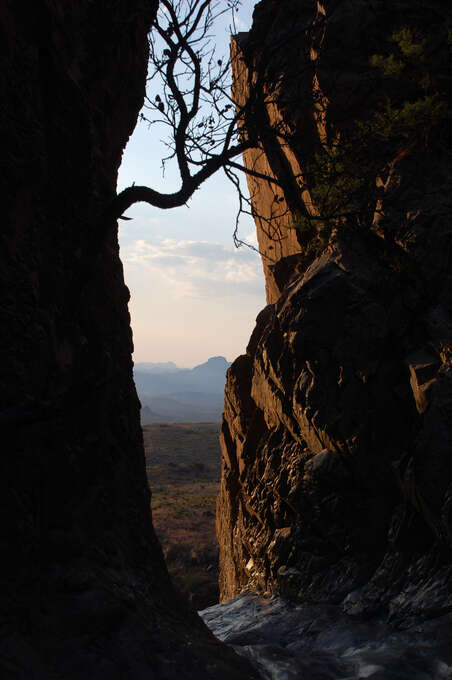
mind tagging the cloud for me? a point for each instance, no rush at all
(197, 269)
(139, 226)
(251, 239)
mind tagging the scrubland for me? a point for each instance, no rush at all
(183, 469)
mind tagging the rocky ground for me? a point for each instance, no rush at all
(183, 468)
(322, 642)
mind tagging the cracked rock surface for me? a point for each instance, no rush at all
(337, 429)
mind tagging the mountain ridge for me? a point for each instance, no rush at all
(181, 394)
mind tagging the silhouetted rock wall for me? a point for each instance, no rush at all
(337, 428)
(84, 590)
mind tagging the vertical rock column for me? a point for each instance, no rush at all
(84, 591)
(272, 213)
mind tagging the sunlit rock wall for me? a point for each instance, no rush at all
(84, 590)
(273, 216)
(337, 428)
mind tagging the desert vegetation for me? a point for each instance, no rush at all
(183, 469)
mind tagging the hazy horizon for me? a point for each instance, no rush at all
(174, 363)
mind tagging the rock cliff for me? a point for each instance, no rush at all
(337, 428)
(84, 590)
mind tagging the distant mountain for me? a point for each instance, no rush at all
(208, 377)
(148, 416)
(169, 393)
(166, 367)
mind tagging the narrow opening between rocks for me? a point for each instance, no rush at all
(194, 299)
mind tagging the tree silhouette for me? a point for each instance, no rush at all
(193, 99)
(347, 175)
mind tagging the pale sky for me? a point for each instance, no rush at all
(193, 294)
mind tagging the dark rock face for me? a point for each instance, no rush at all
(84, 590)
(336, 434)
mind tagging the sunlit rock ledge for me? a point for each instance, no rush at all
(285, 641)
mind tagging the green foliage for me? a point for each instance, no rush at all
(415, 67)
(301, 223)
(413, 78)
(390, 66)
(410, 48)
(412, 121)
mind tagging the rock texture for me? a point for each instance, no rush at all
(286, 641)
(273, 215)
(337, 428)
(84, 591)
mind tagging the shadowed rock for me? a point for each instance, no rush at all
(84, 590)
(336, 434)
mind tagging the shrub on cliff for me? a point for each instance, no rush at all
(351, 170)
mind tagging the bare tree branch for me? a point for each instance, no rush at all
(137, 194)
(193, 101)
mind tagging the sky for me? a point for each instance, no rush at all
(193, 294)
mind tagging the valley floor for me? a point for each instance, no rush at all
(183, 469)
